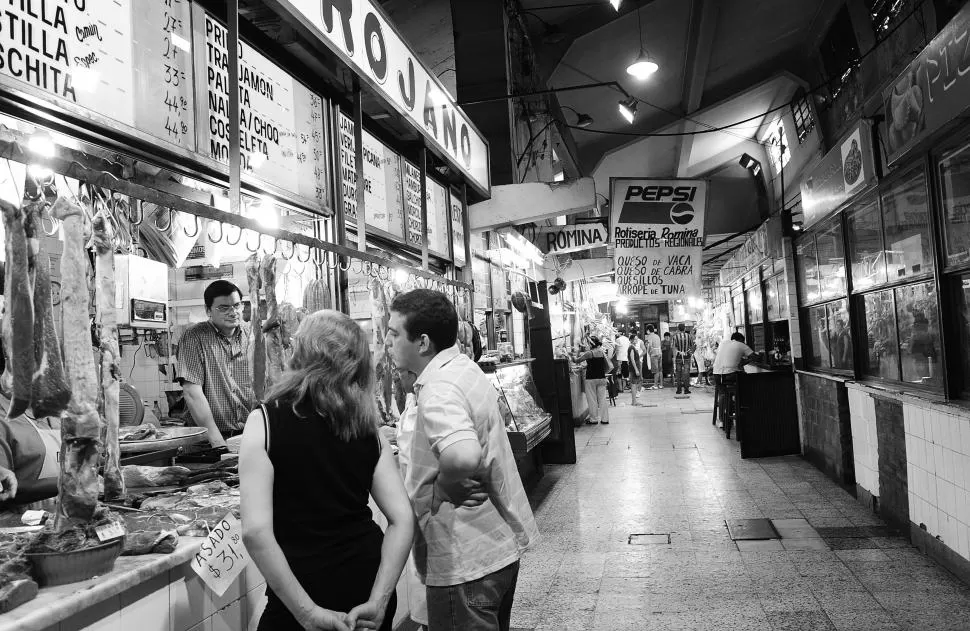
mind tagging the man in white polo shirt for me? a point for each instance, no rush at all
(467, 549)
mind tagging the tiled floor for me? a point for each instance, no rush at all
(665, 469)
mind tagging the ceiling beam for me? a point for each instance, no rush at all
(700, 43)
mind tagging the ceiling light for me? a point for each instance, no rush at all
(642, 67)
(42, 145)
(628, 109)
(616, 4)
(584, 121)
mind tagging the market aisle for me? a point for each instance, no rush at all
(665, 469)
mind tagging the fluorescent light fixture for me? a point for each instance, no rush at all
(628, 109)
(642, 67)
(41, 145)
(616, 4)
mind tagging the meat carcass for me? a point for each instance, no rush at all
(272, 333)
(19, 308)
(256, 326)
(50, 389)
(104, 282)
(316, 296)
(384, 368)
(81, 424)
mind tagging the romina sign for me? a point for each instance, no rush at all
(358, 32)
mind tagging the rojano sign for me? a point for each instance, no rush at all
(560, 239)
(358, 32)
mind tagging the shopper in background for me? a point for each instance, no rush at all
(667, 356)
(654, 357)
(309, 459)
(622, 365)
(683, 347)
(596, 371)
(468, 549)
(635, 366)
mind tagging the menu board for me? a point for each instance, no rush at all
(412, 202)
(383, 205)
(457, 230)
(281, 121)
(500, 291)
(104, 60)
(439, 230)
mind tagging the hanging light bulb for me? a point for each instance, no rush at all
(628, 109)
(616, 4)
(642, 67)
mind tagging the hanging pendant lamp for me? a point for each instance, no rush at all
(643, 66)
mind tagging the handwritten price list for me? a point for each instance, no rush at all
(163, 67)
(222, 556)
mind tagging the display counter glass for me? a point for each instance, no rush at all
(526, 422)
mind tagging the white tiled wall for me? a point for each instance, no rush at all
(143, 374)
(938, 468)
(865, 443)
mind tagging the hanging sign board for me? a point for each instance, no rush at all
(412, 203)
(281, 121)
(573, 238)
(106, 62)
(845, 171)
(932, 91)
(658, 236)
(358, 32)
(457, 230)
(382, 180)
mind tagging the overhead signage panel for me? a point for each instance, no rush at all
(845, 171)
(358, 32)
(383, 205)
(573, 238)
(657, 230)
(457, 230)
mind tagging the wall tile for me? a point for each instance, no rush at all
(965, 436)
(106, 616)
(187, 598)
(228, 619)
(963, 539)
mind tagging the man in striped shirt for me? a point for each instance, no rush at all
(683, 343)
(474, 519)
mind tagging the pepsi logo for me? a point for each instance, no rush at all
(682, 213)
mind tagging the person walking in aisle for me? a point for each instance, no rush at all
(667, 359)
(654, 355)
(683, 347)
(634, 362)
(595, 388)
(309, 459)
(622, 365)
(467, 550)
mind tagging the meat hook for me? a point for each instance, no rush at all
(350, 262)
(209, 232)
(238, 238)
(336, 261)
(292, 252)
(158, 214)
(259, 239)
(195, 218)
(55, 224)
(308, 255)
(140, 213)
(384, 273)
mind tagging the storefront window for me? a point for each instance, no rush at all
(919, 334)
(963, 322)
(808, 269)
(955, 184)
(782, 291)
(866, 251)
(831, 261)
(881, 347)
(840, 335)
(817, 349)
(756, 312)
(771, 300)
(905, 210)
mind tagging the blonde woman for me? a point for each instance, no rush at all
(309, 458)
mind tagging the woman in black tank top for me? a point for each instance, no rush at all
(309, 460)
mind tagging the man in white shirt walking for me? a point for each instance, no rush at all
(654, 355)
(731, 356)
(622, 352)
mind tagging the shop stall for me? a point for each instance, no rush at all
(130, 180)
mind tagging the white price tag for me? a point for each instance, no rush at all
(221, 556)
(114, 530)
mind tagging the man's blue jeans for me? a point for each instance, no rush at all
(484, 604)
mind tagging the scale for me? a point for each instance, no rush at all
(147, 312)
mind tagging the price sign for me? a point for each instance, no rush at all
(382, 180)
(222, 556)
(439, 226)
(412, 200)
(457, 230)
(107, 532)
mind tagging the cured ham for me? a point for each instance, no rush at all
(104, 274)
(81, 426)
(259, 345)
(18, 310)
(50, 390)
(272, 331)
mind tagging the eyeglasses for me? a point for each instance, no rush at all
(227, 309)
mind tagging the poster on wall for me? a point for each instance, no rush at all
(457, 230)
(281, 121)
(846, 170)
(657, 230)
(383, 205)
(104, 61)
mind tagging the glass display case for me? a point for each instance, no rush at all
(526, 422)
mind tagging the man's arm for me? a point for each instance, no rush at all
(201, 412)
(453, 439)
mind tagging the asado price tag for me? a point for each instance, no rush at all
(222, 556)
(114, 530)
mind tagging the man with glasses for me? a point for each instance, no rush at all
(213, 365)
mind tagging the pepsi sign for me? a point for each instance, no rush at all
(658, 204)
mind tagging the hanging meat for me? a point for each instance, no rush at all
(316, 296)
(19, 308)
(272, 333)
(81, 425)
(106, 318)
(383, 362)
(259, 345)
